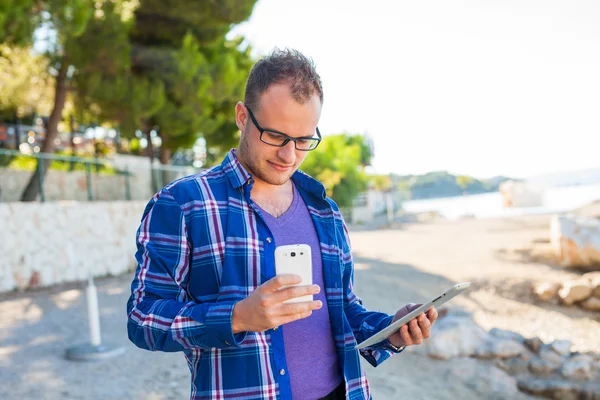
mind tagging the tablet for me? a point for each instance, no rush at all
(435, 302)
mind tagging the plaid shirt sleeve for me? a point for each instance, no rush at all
(160, 315)
(364, 323)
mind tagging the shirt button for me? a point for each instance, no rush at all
(275, 328)
(269, 240)
(282, 372)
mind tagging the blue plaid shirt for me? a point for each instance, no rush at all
(202, 247)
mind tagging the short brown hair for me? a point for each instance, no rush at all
(283, 66)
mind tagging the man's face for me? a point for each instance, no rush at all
(277, 111)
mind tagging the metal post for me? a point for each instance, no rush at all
(40, 171)
(88, 174)
(390, 207)
(160, 172)
(127, 187)
(18, 134)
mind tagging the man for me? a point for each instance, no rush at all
(205, 282)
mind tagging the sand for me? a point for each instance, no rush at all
(406, 263)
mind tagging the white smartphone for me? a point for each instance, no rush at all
(435, 302)
(295, 259)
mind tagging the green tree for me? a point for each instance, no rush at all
(337, 164)
(61, 21)
(107, 89)
(381, 182)
(24, 83)
(183, 45)
(463, 181)
(18, 20)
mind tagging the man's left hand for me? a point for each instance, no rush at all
(416, 330)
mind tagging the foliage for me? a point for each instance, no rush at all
(442, 184)
(182, 45)
(106, 87)
(336, 163)
(380, 182)
(60, 21)
(16, 22)
(29, 164)
(24, 83)
(169, 68)
(464, 181)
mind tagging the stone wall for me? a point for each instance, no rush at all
(73, 185)
(43, 244)
(62, 185)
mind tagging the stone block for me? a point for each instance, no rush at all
(576, 240)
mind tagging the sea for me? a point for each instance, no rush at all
(490, 205)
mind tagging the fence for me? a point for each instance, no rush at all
(63, 177)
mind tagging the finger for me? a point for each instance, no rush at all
(276, 283)
(432, 315)
(424, 325)
(299, 308)
(293, 317)
(415, 332)
(295, 291)
(405, 335)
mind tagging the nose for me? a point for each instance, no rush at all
(288, 152)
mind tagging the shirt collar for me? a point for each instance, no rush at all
(238, 176)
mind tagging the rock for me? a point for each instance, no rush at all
(578, 367)
(521, 194)
(563, 390)
(514, 366)
(573, 291)
(542, 367)
(500, 348)
(454, 337)
(505, 334)
(576, 240)
(548, 354)
(594, 279)
(534, 344)
(487, 380)
(545, 291)
(591, 304)
(562, 347)
(548, 388)
(507, 348)
(485, 350)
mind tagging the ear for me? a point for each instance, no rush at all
(241, 116)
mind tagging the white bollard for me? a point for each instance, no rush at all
(93, 313)
(95, 350)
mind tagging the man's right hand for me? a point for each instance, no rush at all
(264, 308)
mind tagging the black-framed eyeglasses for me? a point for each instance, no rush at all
(280, 139)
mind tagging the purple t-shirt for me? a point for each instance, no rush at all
(309, 346)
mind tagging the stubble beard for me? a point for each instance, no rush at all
(255, 169)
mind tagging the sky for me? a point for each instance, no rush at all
(476, 87)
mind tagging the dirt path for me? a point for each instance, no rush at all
(394, 266)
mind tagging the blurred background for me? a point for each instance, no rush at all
(460, 141)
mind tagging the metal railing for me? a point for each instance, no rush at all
(63, 177)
